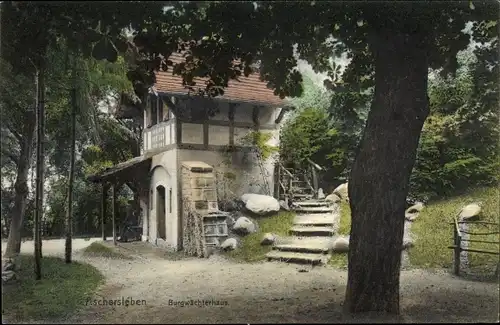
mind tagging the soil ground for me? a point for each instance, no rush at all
(261, 292)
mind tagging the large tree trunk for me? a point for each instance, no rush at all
(40, 156)
(21, 187)
(69, 210)
(379, 179)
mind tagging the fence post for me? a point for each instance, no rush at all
(457, 240)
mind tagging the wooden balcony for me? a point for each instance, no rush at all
(159, 136)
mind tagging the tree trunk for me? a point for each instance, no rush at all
(379, 180)
(21, 187)
(40, 117)
(69, 210)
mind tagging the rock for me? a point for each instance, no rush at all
(284, 206)
(260, 204)
(333, 198)
(8, 265)
(341, 191)
(341, 244)
(416, 208)
(8, 276)
(470, 212)
(244, 226)
(268, 239)
(411, 216)
(229, 244)
(321, 195)
(230, 221)
(407, 242)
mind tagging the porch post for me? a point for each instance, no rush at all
(104, 198)
(113, 211)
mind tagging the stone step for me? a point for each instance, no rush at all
(314, 203)
(309, 258)
(324, 209)
(302, 189)
(302, 248)
(305, 244)
(314, 219)
(317, 240)
(301, 196)
(312, 230)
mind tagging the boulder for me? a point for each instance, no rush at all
(8, 265)
(470, 212)
(416, 208)
(341, 191)
(321, 194)
(230, 221)
(268, 239)
(260, 204)
(244, 226)
(284, 206)
(8, 276)
(341, 244)
(229, 244)
(407, 242)
(333, 198)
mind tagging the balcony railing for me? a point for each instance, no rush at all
(159, 135)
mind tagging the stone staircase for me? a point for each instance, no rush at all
(311, 236)
(313, 232)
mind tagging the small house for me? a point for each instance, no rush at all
(185, 131)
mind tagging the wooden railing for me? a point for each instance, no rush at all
(310, 175)
(458, 239)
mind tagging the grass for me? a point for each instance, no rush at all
(63, 289)
(97, 249)
(250, 249)
(434, 233)
(339, 260)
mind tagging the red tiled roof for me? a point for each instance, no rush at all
(247, 89)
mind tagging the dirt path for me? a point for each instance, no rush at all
(270, 292)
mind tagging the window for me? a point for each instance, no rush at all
(170, 200)
(154, 110)
(160, 109)
(151, 200)
(166, 111)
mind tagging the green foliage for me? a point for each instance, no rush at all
(459, 142)
(101, 250)
(433, 233)
(327, 131)
(250, 249)
(307, 135)
(340, 259)
(259, 140)
(63, 290)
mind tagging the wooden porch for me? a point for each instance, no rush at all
(134, 173)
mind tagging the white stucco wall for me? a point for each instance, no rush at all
(249, 177)
(163, 172)
(218, 135)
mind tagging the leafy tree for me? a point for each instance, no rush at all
(391, 46)
(459, 144)
(92, 30)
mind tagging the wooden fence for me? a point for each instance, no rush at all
(458, 240)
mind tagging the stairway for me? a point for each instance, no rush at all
(315, 225)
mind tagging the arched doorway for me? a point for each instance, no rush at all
(161, 212)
